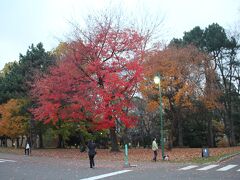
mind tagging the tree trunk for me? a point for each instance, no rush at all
(210, 133)
(229, 128)
(40, 139)
(5, 142)
(170, 136)
(60, 141)
(232, 139)
(82, 142)
(126, 140)
(17, 142)
(12, 142)
(114, 142)
(21, 143)
(180, 133)
(33, 140)
(142, 135)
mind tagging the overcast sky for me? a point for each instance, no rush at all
(24, 22)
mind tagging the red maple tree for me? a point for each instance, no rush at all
(95, 81)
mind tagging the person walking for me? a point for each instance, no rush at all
(154, 148)
(91, 153)
(27, 148)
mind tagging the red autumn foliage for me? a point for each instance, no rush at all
(94, 82)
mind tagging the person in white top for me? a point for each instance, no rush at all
(154, 148)
(27, 148)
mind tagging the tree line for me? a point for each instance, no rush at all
(99, 85)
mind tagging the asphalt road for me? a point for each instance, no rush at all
(16, 167)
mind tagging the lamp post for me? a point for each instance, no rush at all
(157, 80)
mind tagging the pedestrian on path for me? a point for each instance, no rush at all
(27, 147)
(154, 148)
(91, 153)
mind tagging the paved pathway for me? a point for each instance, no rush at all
(30, 167)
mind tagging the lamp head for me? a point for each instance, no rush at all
(156, 80)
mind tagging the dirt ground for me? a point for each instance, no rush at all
(138, 154)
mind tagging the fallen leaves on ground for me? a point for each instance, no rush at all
(135, 154)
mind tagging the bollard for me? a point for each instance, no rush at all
(205, 152)
(126, 164)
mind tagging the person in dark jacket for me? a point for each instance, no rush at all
(91, 153)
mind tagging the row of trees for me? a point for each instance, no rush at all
(200, 83)
(99, 84)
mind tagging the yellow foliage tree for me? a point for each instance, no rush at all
(13, 121)
(182, 75)
(183, 79)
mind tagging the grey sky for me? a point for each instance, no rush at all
(24, 22)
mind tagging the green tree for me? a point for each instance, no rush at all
(11, 86)
(32, 65)
(17, 77)
(7, 69)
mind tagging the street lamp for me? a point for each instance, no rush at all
(157, 80)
